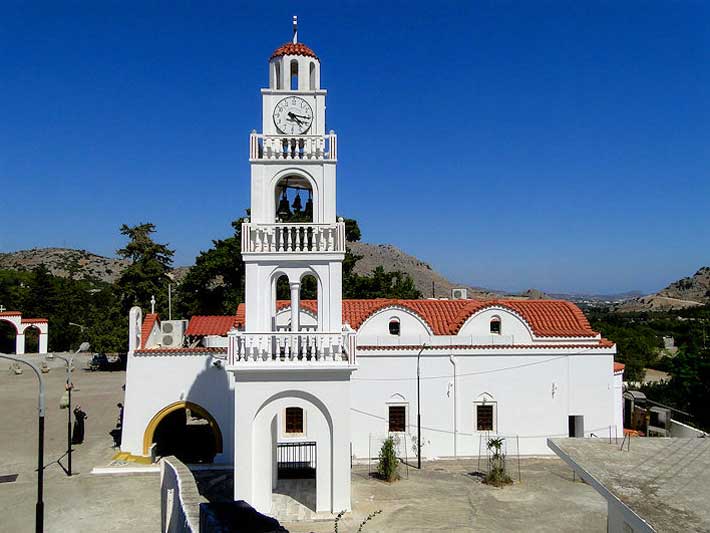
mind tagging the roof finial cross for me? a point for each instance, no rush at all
(295, 29)
(152, 305)
(3, 308)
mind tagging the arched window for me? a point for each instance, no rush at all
(294, 75)
(495, 326)
(278, 75)
(312, 76)
(294, 420)
(394, 326)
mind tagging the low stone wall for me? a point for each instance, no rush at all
(680, 430)
(179, 498)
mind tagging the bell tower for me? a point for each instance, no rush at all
(293, 229)
(292, 354)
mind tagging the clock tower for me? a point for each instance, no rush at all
(292, 355)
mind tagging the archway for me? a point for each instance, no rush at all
(309, 451)
(185, 430)
(32, 335)
(8, 336)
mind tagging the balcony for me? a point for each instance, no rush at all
(303, 147)
(288, 348)
(293, 238)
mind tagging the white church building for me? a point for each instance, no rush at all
(309, 386)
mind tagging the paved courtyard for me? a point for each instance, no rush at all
(442, 497)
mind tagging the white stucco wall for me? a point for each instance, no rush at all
(156, 381)
(533, 395)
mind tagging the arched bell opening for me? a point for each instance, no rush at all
(294, 199)
(8, 336)
(309, 299)
(185, 430)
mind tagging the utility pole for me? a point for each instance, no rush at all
(69, 386)
(419, 413)
(39, 506)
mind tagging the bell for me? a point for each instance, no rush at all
(309, 206)
(297, 206)
(284, 210)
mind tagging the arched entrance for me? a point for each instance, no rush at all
(8, 336)
(32, 334)
(292, 452)
(185, 430)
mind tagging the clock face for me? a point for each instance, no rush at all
(293, 116)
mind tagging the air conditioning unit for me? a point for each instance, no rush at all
(459, 294)
(172, 333)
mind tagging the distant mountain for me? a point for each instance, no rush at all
(425, 277)
(80, 264)
(66, 262)
(687, 292)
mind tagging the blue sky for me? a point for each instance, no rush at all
(557, 145)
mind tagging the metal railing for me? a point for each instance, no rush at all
(296, 460)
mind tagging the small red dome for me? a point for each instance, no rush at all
(293, 49)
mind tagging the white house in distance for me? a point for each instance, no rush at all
(303, 387)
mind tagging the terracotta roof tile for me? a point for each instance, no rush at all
(293, 49)
(197, 350)
(10, 313)
(618, 367)
(210, 325)
(547, 318)
(37, 320)
(148, 323)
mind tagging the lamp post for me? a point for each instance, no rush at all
(419, 414)
(69, 386)
(39, 507)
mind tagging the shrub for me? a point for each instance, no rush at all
(497, 475)
(388, 464)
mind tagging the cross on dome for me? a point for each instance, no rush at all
(295, 29)
(294, 48)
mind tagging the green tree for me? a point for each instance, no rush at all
(215, 285)
(147, 275)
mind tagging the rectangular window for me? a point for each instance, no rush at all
(484, 417)
(397, 418)
(294, 420)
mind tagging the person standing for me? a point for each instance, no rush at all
(78, 433)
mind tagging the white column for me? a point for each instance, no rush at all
(295, 304)
(42, 343)
(20, 344)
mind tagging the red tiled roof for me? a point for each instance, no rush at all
(10, 313)
(148, 323)
(618, 367)
(210, 325)
(547, 318)
(197, 349)
(293, 49)
(601, 344)
(37, 320)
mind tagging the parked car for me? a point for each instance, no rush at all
(110, 362)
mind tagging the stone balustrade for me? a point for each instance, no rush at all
(293, 238)
(302, 147)
(285, 347)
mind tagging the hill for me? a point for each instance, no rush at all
(80, 264)
(687, 292)
(65, 263)
(392, 258)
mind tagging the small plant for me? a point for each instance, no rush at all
(369, 517)
(388, 464)
(497, 475)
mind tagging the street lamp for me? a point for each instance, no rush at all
(419, 415)
(69, 386)
(39, 507)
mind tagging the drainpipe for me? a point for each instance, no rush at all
(456, 438)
